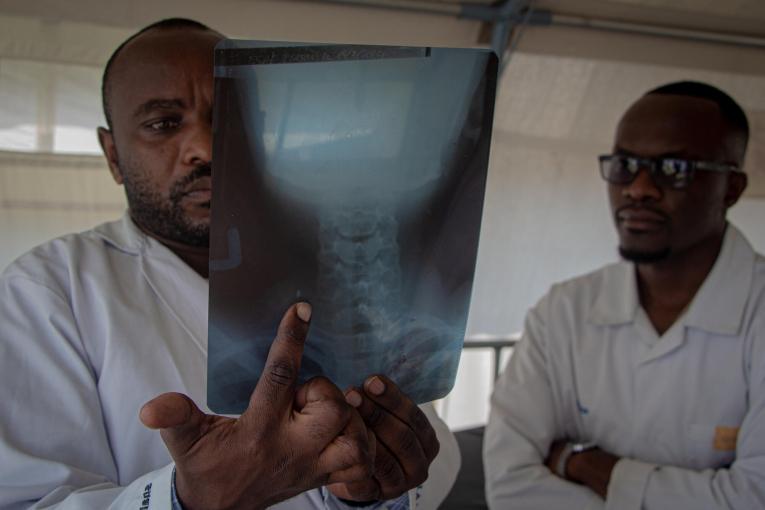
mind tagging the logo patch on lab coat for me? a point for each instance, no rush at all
(725, 438)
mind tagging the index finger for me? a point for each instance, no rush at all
(276, 386)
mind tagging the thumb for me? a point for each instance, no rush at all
(179, 420)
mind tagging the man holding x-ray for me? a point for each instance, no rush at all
(108, 326)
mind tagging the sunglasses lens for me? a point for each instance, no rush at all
(668, 173)
(674, 173)
(617, 169)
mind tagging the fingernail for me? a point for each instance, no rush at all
(353, 398)
(376, 386)
(304, 311)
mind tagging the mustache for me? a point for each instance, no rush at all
(640, 207)
(179, 188)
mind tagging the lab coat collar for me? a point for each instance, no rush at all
(617, 296)
(177, 286)
(718, 306)
(123, 235)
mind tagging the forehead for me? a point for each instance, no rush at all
(668, 124)
(170, 63)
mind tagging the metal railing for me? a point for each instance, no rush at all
(495, 342)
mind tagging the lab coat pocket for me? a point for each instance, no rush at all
(711, 446)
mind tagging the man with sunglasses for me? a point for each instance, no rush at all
(642, 385)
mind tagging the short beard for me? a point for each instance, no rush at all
(166, 218)
(644, 257)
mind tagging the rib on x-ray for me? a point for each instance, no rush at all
(351, 177)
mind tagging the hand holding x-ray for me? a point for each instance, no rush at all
(291, 438)
(406, 443)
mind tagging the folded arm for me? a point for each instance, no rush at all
(522, 426)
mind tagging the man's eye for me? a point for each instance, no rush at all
(160, 125)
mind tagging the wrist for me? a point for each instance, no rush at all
(570, 451)
(592, 468)
(576, 465)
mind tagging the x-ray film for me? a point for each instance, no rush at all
(352, 177)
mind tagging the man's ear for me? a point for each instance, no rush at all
(737, 182)
(106, 139)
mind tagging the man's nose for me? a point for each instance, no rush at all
(642, 188)
(197, 148)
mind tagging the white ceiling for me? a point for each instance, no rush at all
(729, 16)
(743, 17)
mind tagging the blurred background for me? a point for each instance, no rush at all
(570, 69)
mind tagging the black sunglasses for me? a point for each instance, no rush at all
(673, 173)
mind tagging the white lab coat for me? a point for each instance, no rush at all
(92, 326)
(686, 412)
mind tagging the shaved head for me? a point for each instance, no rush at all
(165, 24)
(734, 119)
